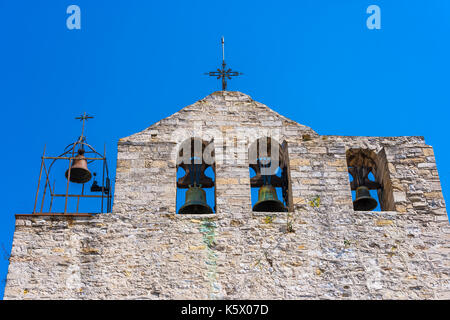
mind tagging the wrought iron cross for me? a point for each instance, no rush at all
(83, 118)
(223, 73)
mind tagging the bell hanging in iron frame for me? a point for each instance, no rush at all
(79, 172)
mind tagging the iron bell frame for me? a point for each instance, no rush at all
(69, 154)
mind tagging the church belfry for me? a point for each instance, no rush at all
(186, 222)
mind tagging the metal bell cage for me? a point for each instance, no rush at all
(78, 154)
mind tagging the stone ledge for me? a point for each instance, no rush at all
(141, 143)
(64, 215)
(196, 216)
(259, 214)
(375, 213)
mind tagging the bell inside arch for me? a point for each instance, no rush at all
(267, 194)
(195, 202)
(195, 198)
(363, 200)
(268, 200)
(79, 172)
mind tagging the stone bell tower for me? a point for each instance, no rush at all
(316, 241)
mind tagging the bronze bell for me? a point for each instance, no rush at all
(268, 200)
(79, 172)
(195, 202)
(363, 200)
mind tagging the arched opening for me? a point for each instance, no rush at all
(368, 179)
(196, 177)
(269, 176)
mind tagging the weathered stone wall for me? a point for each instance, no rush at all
(144, 250)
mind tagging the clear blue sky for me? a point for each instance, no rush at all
(136, 62)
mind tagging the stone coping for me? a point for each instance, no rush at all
(68, 215)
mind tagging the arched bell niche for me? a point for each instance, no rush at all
(269, 176)
(196, 177)
(369, 180)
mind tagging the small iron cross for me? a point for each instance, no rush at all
(83, 118)
(223, 73)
